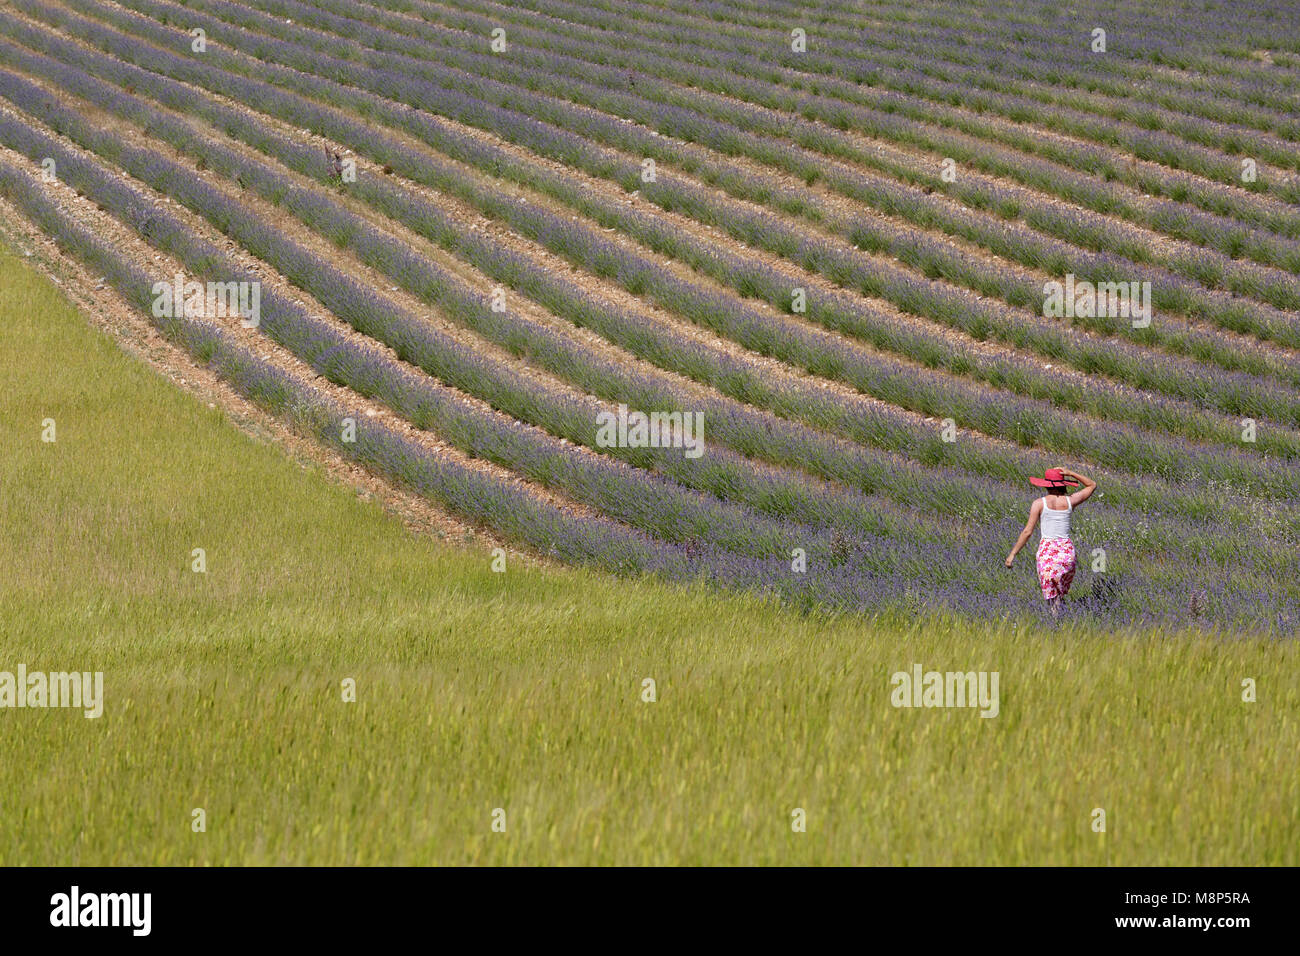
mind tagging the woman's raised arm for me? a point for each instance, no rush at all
(1084, 493)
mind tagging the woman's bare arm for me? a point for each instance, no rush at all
(1084, 493)
(1021, 541)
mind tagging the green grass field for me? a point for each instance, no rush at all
(523, 690)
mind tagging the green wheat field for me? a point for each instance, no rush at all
(523, 691)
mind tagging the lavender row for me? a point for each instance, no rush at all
(481, 499)
(1170, 293)
(336, 358)
(1123, 126)
(1040, 51)
(936, 258)
(557, 294)
(1093, 232)
(1177, 42)
(653, 505)
(758, 434)
(558, 354)
(338, 224)
(774, 92)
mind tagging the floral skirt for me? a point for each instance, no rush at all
(1056, 564)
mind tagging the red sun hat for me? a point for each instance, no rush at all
(1052, 478)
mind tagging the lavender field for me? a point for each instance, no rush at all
(815, 246)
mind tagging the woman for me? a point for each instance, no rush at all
(1056, 558)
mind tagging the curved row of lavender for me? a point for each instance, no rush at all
(861, 547)
(169, 236)
(1053, 62)
(1127, 363)
(459, 487)
(1240, 396)
(1047, 175)
(1023, 104)
(934, 258)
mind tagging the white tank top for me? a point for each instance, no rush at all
(1053, 523)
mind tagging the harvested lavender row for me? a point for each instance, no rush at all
(1006, 420)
